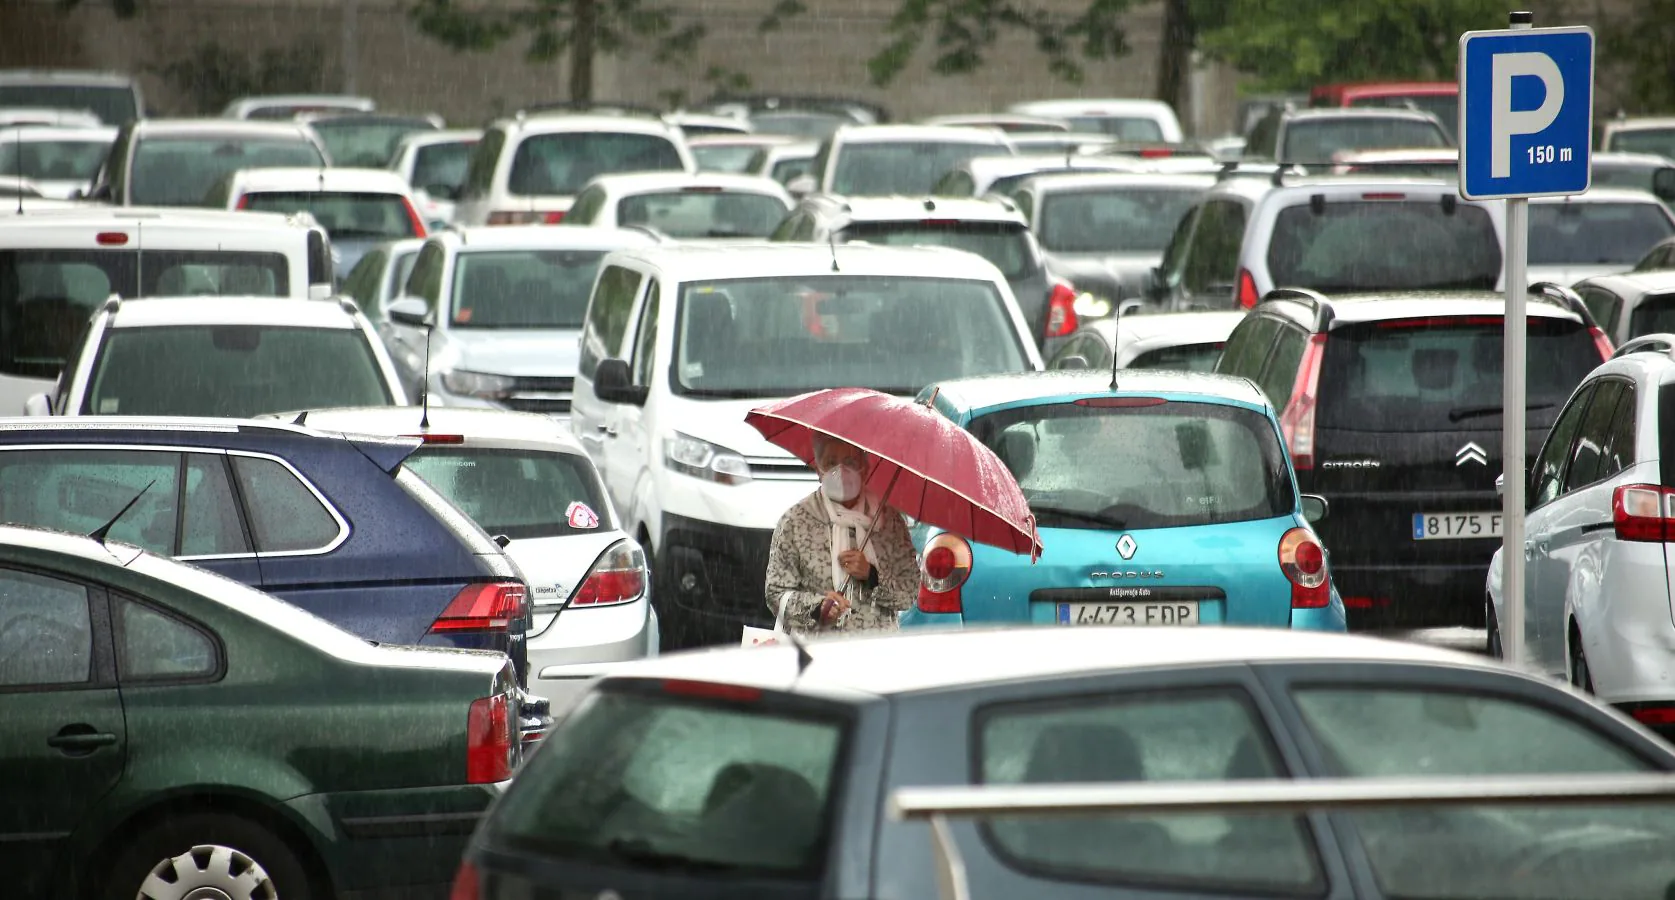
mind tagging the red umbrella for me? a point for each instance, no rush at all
(923, 465)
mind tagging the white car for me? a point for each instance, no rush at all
(434, 163)
(60, 161)
(1601, 515)
(1125, 119)
(708, 205)
(62, 118)
(886, 160)
(359, 208)
(1601, 232)
(525, 480)
(222, 357)
(784, 162)
(735, 152)
(1640, 135)
(288, 106)
(1183, 341)
(1001, 174)
(114, 97)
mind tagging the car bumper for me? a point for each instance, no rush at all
(1326, 618)
(395, 843)
(711, 581)
(1414, 595)
(581, 641)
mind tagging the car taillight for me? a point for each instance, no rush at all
(1248, 297)
(243, 202)
(483, 607)
(1641, 512)
(1297, 420)
(515, 217)
(1602, 342)
(944, 567)
(491, 739)
(465, 882)
(1303, 561)
(553, 218)
(1156, 153)
(414, 217)
(618, 577)
(1061, 311)
(1653, 715)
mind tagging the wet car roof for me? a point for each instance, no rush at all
(995, 390)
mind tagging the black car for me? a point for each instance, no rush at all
(1391, 406)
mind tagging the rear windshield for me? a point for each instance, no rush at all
(1654, 314)
(518, 493)
(439, 169)
(1660, 141)
(1006, 244)
(181, 171)
(366, 145)
(47, 296)
(1316, 141)
(1632, 176)
(900, 167)
(523, 288)
(1112, 220)
(232, 371)
(1666, 433)
(1184, 358)
(1585, 234)
(1165, 465)
(725, 157)
(704, 214)
(1120, 127)
(1385, 245)
(1446, 107)
(113, 105)
(53, 160)
(1444, 374)
(344, 215)
(560, 164)
(789, 167)
(648, 780)
(815, 126)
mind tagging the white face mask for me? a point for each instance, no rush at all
(841, 484)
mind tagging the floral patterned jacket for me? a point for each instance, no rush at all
(800, 562)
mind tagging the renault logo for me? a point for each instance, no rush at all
(1126, 546)
(1471, 453)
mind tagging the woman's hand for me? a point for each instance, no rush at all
(854, 564)
(833, 607)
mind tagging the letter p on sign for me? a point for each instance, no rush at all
(1504, 121)
(1526, 112)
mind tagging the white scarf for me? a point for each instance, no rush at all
(843, 519)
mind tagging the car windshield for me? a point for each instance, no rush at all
(181, 171)
(59, 160)
(523, 288)
(1006, 244)
(1443, 169)
(1436, 374)
(113, 104)
(1123, 128)
(1586, 234)
(877, 169)
(637, 779)
(783, 335)
(1446, 107)
(701, 213)
(1111, 220)
(1167, 464)
(1660, 141)
(345, 215)
(521, 494)
(1632, 176)
(1181, 358)
(439, 169)
(363, 143)
(725, 157)
(560, 164)
(1388, 244)
(47, 296)
(232, 371)
(1315, 142)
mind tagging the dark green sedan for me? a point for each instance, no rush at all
(166, 734)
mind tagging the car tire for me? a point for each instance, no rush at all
(1581, 677)
(225, 854)
(1492, 632)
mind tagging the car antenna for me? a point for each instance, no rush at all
(831, 244)
(424, 387)
(1116, 326)
(103, 531)
(301, 419)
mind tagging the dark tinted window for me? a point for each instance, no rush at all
(181, 171)
(1444, 374)
(63, 160)
(703, 214)
(1619, 449)
(607, 317)
(518, 493)
(1315, 142)
(1172, 464)
(344, 215)
(284, 514)
(1111, 220)
(789, 167)
(439, 169)
(724, 157)
(1247, 347)
(1213, 261)
(46, 631)
(363, 143)
(1592, 440)
(1184, 358)
(1666, 433)
(1385, 245)
(1005, 244)
(1660, 141)
(485, 157)
(523, 288)
(546, 164)
(154, 646)
(1588, 234)
(1547, 475)
(739, 790)
(113, 105)
(1124, 129)
(900, 167)
(233, 371)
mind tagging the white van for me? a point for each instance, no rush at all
(57, 266)
(682, 340)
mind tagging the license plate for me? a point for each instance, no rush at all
(1453, 526)
(1177, 612)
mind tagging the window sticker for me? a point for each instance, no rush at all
(581, 516)
(108, 405)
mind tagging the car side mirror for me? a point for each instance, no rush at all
(1500, 485)
(1663, 184)
(802, 185)
(38, 405)
(613, 383)
(409, 311)
(1073, 362)
(1314, 508)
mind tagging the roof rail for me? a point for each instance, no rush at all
(1648, 343)
(1559, 295)
(1314, 300)
(112, 303)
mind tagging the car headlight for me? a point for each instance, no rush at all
(701, 459)
(476, 384)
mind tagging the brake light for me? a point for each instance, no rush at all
(1443, 321)
(243, 201)
(483, 607)
(521, 217)
(490, 740)
(1383, 196)
(1297, 421)
(465, 882)
(1641, 512)
(711, 690)
(701, 189)
(944, 567)
(1120, 402)
(1061, 311)
(414, 217)
(939, 223)
(1248, 297)
(111, 238)
(618, 577)
(1156, 153)
(1303, 561)
(1602, 342)
(429, 438)
(553, 218)
(1654, 715)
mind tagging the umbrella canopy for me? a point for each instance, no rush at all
(923, 465)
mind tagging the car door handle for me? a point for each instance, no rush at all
(80, 737)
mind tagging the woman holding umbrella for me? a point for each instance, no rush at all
(840, 558)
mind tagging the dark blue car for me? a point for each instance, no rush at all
(331, 523)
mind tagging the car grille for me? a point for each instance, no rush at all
(540, 395)
(767, 468)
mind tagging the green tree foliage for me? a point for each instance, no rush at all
(963, 31)
(1636, 54)
(215, 75)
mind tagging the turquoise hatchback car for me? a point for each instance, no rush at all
(1169, 500)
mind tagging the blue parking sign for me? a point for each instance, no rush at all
(1526, 112)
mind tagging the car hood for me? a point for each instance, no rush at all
(721, 422)
(1568, 275)
(543, 352)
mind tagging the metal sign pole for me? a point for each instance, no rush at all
(1513, 439)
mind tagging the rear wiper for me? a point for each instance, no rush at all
(1077, 515)
(1472, 412)
(642, 853)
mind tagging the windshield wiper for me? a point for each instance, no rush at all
(1077, 515)
(1472, 412)
(640, 852)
